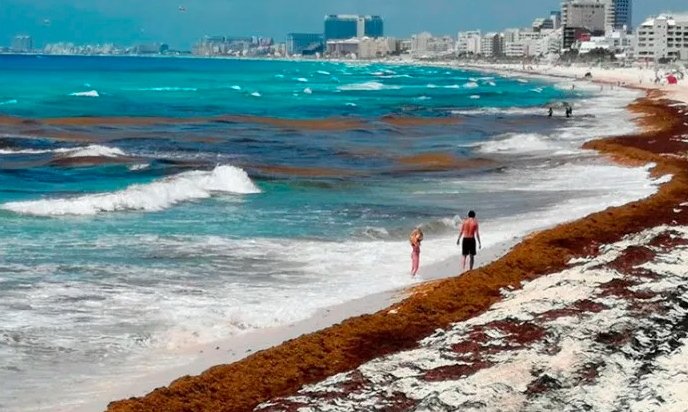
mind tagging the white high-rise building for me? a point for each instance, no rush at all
(618, 14)
(425, 44)
(663, 37)
(469, 42)
(590, 14)
(491, 44)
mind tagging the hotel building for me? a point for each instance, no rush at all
(663, 37)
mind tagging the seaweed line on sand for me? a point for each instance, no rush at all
(311, 358)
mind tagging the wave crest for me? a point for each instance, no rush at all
(150, 197)
(90, 93)
(434, 227)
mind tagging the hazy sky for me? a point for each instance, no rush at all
(127, 22)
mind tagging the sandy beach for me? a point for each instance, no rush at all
(400, 320)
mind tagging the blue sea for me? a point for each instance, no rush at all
(148, 205)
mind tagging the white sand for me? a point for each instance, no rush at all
(609, 352)
(641, 77)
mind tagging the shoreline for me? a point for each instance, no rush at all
(238, 348)
(371, 328)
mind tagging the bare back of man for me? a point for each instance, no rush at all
(470, 232)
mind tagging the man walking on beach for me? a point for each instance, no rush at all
(469, 232)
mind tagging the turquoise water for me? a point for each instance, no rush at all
(149, 205)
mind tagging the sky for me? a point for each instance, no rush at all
(131, 22)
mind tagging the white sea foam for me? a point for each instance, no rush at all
(86, 151)
(140, 166)
(12, 101)
(308, 90)
(151, 197)
(475, 96)
(235, 87)
(368, 86)
(500, 111)
(323, 72)
(93, 150)
(301, 79)
(23, 151)
(471, 85)
(256, 94)
(90, 93)
(518, 143)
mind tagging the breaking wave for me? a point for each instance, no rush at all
(90, 93)
(151, 197)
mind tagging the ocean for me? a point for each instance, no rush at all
(149, 205)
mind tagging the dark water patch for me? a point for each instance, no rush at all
(278, 170)
(202, 139)
(332, 123)
(90, 161)
(440, 162)
(420, 121)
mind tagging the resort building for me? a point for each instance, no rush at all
(663, 37)
(468, 42)
(346, 26)
(305, 43)
(620, 16)
(22, 44)
(427, 45)
(491, 45)
(362, 48)
(552, 22)
(598, 15)
(590, 14)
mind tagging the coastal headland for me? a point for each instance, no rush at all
(653, 230)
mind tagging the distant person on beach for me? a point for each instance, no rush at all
(549, 112)
(469, 232)
(416, 238)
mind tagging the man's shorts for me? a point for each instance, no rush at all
(468, 246)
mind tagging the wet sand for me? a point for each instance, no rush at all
(282, 370)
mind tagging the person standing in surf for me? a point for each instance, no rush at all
(415, 238)
(469, 232)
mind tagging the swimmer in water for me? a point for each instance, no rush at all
(415, 238)
(469, 232)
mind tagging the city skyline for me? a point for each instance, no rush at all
(180, 23)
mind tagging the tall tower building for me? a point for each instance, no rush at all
(346, 26)
(22, 44)
(618, 13)
(622, 14)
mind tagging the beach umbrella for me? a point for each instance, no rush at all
(672, 79)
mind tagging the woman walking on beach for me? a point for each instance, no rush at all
(415, 238)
